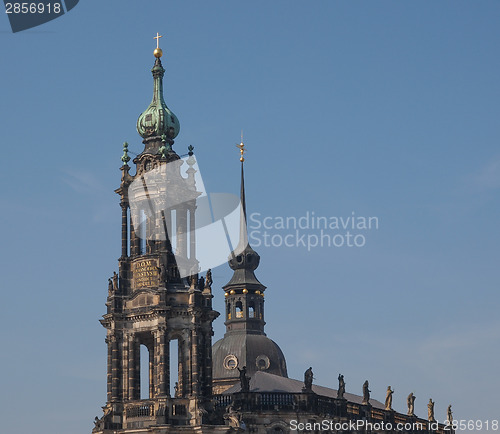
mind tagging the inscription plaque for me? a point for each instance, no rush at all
(145, 273)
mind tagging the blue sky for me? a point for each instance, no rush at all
(382, 108)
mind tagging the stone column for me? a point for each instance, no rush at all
(137, 369)
(134, 240)
(207, 361)
(115, 368)
(124, 206)
(181, 222)
(182, 368)
(192, 233)
(168, 224)
(132, 360)
(160, 373)
(109, 376)
(125, 367)
(149, 234)
(166, 361)
(151, 353)
(194, 363)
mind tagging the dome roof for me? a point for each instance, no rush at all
(255, 351)
(158, 119)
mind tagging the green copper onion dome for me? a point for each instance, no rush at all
(158, 119)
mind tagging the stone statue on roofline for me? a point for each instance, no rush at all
(430, 411)
(388, 398)
(366, 393)
(410, 401)
(244, 380)
(449, 415)
(308, 379)
(115, 281)
(208, 279)
(341, 389)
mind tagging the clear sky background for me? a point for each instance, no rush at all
(381, 108)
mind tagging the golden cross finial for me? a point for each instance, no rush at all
(158, 53)
(157, 37)
(241, 146)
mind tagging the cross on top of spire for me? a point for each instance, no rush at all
(241, 146)
(157, 37)
(158, 52)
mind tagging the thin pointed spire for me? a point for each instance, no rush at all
(243, 241)
(244, 261)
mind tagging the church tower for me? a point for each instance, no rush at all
(157, 300)
(245, 345)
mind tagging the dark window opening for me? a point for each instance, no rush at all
(239, 309)
(251, 310)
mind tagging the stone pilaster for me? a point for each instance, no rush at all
(192, 233)
(194, 363)
(132, 368)
(109, 376)
(134, 241)
(115, 368)
(151, 370)
(124, 207)
(181, 222)
(125, 368)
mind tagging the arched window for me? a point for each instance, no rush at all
(228, 310)
(251, 309)
(239, 309)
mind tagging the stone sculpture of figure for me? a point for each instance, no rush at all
(202, 412)
(366, 393)
(308, 379)
(449, 415)
(194, 281)
(115, 281)
(110, 286)
(244, 380)
(232, 417)
(341, 391)
(162, 273)
(430, 411)
(176, 390)
(388, 398)
(410, 401)
(208, 279)
(201, 283)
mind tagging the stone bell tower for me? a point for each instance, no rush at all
(157, 296)
(245, 344)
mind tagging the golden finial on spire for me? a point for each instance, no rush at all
(158, 53)
(241, 146)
